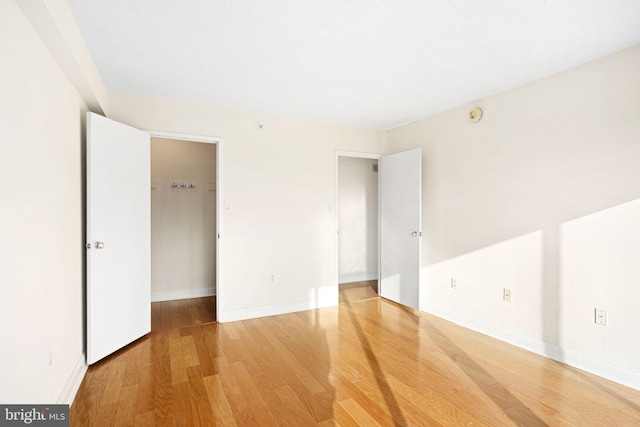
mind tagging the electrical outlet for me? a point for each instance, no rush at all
(506, 295)
(601, 317)
(454, 283)
(272, 277)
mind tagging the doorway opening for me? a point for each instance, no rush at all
(184, 231)
(358, 224)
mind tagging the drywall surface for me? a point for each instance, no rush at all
(55, 24)
(41, 220)
(357, 219)
(278, 239)
(541, 197)
(183, 220)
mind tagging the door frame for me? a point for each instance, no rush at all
(336, 211)
(219, 204)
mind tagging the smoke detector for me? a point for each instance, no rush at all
(475, 115)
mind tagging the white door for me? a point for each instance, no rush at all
(400, 231)
(118, 236)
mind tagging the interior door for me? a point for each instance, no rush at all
(400, 230)
(118, 236)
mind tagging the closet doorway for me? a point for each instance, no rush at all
(358, 225)
(184, 231)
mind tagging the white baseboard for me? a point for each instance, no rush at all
(275, 309)
(552, 351)
(73, 383)
(610, 372)
(362, 277)
(183, 294)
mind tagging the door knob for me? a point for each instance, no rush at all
(99, 245)
(416, 234)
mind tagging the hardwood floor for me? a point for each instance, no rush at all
(358, 291)
(365, 363)
(182, 313)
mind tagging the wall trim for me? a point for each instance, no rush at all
(275, 309)
(358, 154)
(183, 136)
(68, 394)
(361, 277)
(183, 294)
(549, 350)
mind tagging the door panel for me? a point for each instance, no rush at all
(118, 236)
(400, 226)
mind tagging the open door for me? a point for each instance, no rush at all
(118, 236)
(400, 226)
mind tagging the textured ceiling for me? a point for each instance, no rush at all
(370, 63)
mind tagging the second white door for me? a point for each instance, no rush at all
(400, 226)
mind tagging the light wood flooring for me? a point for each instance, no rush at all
(182, 313)
(358, 291)
(365, 363)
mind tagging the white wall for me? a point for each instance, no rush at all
(41, 220)
(55, 24)
(542, 196)
(183, 221)
(280, 181)
(357, 219)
